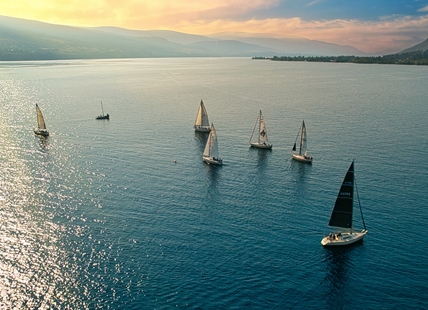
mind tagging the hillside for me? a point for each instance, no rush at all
(423, 46)
(31, 40)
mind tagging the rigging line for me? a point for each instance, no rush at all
(300, 128)
(254, 129)
(358, 197)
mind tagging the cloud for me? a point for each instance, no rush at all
(386, 35)
(381, 37)
(424, 9)
(141, 14)
(313, 3)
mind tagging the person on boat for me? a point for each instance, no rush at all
(307, 157)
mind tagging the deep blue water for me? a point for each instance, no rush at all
(99, 215)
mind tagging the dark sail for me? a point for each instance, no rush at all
(342, 211)
(294, 147)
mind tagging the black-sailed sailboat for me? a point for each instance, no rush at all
(342, 215)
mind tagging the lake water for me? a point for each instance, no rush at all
(99, 214)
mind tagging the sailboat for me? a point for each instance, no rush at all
(41, 130)
(102, 116)
(202, 124)
(210, 155)
(262, 142)
(301, 155)
(342, 215)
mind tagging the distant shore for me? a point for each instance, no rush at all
(410, 58)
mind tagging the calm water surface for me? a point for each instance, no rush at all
(99, 214)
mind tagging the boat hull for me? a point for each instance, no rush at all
(265, 146)
(345, 238)
(41, 132)
(202, 128)
(103, 117)
(212, 161)
(302, 158)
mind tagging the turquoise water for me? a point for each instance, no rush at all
(124, 214)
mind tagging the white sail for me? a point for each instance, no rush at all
(262, 139)
(303, 140)
(40, 120)
(202, 123)
(211, 148)
(303, 146)
(262, 130)
(41, 125)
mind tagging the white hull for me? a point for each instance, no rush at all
(202, 128)
(344, 238)
(212, 161)
(302, 158)
(258, 145)
(41, 132)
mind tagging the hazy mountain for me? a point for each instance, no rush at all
(418, 47)
(31, 40)
(295, 46)
(203, 44)
(172, 36)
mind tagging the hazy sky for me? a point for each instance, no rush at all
(373, 26)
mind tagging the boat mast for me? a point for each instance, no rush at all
(359, 204)
(102, 109)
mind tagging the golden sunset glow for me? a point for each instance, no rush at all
(269, 17)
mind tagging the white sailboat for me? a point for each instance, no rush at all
(202, 123)
(342, 215)
(301, 155)
(210, 155)
(41, 129)
(102, 116)
(262, 141)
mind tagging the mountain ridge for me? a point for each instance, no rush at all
(423, 46)
(22, 39)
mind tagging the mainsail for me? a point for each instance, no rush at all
(342, 211)
(262, 130)
(211, 148)
(202, 117)
(40, 120)
(303, 141)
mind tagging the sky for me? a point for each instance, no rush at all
(374, 26)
